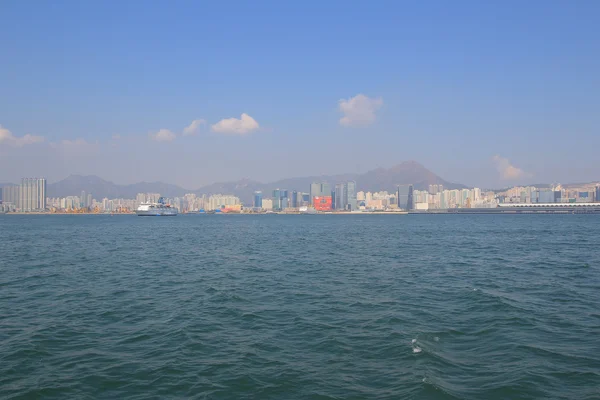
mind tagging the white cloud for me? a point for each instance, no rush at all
(194, 127)
(245, 124)
(6, 137)
(164, 135)
(507, 170)
(359, 110)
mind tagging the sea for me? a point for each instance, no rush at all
(300, 307)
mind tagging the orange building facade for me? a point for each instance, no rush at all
(322, 203)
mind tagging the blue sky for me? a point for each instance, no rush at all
(481, 93)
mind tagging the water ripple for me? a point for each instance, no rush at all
(244, 307)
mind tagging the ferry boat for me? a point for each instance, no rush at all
(159, 209)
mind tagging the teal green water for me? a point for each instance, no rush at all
(300, 307)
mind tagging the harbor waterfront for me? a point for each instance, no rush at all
(428, 306)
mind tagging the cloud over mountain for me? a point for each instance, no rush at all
(359, 110)
(245, 124)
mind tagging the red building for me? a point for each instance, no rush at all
(322, 203)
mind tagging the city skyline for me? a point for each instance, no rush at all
(30, 196)
(483, 92)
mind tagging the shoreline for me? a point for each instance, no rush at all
(439, 212)
(222, 213)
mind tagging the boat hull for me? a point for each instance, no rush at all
(156, 213)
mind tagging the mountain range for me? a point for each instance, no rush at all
(408, 172)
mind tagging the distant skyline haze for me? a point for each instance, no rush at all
(483, 94)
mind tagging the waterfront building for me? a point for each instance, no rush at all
(325, 189)
(340, 197)
(267, 204)
(218, 201)
(32, 194)
(404, 195)
(344, 196)
(279, 198)
(305, 199)
(375, 204)
(315, 190)
(294, 199)
(319, 189)
(350, 187)
(545, 196)
(322, 203)
(11, 195)
(258, 199)
(333, 197)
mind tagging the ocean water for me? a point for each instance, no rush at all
(300, 307)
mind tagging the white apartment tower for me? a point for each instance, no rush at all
(33, 194)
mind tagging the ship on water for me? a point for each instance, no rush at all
(160, 209)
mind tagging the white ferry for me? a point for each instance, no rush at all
(159, 209)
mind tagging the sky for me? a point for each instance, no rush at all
(487, 94)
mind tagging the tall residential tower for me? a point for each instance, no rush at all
(32, 194)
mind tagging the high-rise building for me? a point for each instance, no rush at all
(83, 199)
(315, 191)
(277, 196)
(32, 194)
(598, 193)
(295, 199)
(319, 189)
(345, 196)
(89, 200)
(280, 199)
(333, 199)
(340, 196)
(258, 199)
(11, 195)
(405, 197)
(350, 195)
(325, 189)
